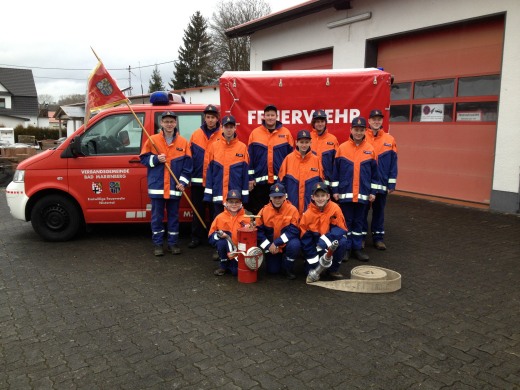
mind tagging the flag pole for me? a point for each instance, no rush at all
(167, 165)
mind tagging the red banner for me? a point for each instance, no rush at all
(102, 92)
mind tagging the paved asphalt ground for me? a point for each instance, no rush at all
(101, 312)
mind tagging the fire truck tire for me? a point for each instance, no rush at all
(56, 218)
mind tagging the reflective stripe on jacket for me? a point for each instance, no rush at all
(229, 224)
(267, 150)
(298, 175)
(320, 228)
(200, 141)
(326, 146)
(277, 226)
(355, 172)
(228, 165)
(386, 152)
(178, 155)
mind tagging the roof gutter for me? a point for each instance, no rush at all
(286, 15)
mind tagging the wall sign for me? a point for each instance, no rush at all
(432, 112)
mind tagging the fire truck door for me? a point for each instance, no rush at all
(107, 179)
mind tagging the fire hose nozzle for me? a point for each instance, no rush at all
(324, 263)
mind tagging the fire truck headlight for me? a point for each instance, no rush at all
(19, 176)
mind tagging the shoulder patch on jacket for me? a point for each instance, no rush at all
(282, 136)
(239, 155)
(384, 143)
(367, 152)
(330, 143)
(314, 169)
(180, 149)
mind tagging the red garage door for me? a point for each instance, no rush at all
(318, 60)
(444, 108)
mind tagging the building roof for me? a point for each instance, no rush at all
(70, 111)
(22, 106)
(298, 11)
(20, 82)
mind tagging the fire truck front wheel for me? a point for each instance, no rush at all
(56, 218)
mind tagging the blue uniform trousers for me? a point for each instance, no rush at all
(198, 233)
(219, 208)
(285, 260)
(378, 218)
(354, 213)
(172, 210)
(223, 247)
(337, 257)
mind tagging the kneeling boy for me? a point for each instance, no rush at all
(320, 225)
(278, 232)
(232, 218)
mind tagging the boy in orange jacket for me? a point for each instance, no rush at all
(320, 225)
(232, 218)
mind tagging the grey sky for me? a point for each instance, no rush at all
(59, 35)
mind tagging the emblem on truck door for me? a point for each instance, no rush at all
(97, 187)
(115, 187)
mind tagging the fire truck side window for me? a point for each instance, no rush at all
(118, 134)
(187, 122)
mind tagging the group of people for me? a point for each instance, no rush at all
(307, 193)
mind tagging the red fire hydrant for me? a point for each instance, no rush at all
(248, 254)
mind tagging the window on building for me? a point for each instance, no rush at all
(477, 112)
(432, 89)
(461, 99)
(479, 85)
(401, 91)
(2, 102)
(400, 113)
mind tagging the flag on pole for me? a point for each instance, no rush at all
(102, 92)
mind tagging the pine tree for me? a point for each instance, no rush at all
(194, 68)
(156, 83)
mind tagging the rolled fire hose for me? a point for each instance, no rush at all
(365, 279)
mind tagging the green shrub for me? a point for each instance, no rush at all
(39, 133)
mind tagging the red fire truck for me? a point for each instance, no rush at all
(95, 176)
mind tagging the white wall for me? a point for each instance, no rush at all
(392, 17)
(43, 122)
(10, 122)
(202, 96)
(70, 126)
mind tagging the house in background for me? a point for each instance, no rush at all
(18, 98)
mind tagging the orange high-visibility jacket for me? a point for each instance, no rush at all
(277, 226)
(228, 224)
(267, 151)
(320, 228)
(200, 141)
(227, 169)
(326, 146)
(386, 152)
(355, 172)
(298, 175)
(178, 156)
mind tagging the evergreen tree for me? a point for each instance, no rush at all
(156, 83)
(194, 68)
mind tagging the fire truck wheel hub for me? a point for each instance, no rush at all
(55, 218)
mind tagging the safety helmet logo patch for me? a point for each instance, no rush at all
(359, 121)
(318, 186)
(276, 189)
(233, 193)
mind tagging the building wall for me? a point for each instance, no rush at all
(10, 122)
(398, 16)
